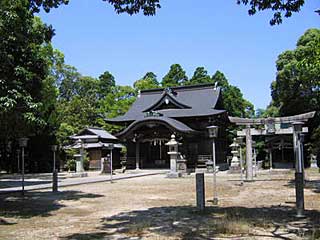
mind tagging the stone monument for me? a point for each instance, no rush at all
(79, 161)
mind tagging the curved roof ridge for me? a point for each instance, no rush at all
(169, 122)
(162, 98)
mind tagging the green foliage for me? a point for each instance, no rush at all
(175, 77)
(271, 111)
(200, 76)
(297, 86)
(106, 83)
(281, 8)
(26, 95)
(232, 98)
(71, 165)
(149, 81)
(148, 7)
(115, 104)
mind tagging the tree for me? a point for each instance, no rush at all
(66, 79)
(106, 83)
(115, 104)
(271, 111)
(281, 8)
(149, 81)
(297, 86)
(24, 66)
(78, 104)
(175, 77)
(148, 7)
(27, 94)
(200, 76)
(232, 97)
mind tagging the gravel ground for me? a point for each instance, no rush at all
(155, 207)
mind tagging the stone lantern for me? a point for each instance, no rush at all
(79, 161)
(235, 163)
(177, 166)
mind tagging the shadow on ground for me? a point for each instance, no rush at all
(36, 203)
(15, 184)
(8, 181)
(313, 185)
(186, 222)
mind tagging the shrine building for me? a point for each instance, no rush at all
(186, 112)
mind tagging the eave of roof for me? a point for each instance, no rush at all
(96, 133)
(169, 122)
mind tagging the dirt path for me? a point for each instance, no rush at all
(156, 207)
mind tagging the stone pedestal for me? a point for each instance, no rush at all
(235, 166)
(173, 165)
(79, 167)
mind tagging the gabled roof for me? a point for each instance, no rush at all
(190, 101)
(95, 133)
(167, 98)
(169, 122)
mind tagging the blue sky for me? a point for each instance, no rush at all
(218, 35)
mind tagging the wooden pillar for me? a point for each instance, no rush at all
(270, 157)
(249, 172)
(295, 153)
(137, 155)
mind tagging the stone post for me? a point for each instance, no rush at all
(200, 190)
(137, 155)
(249, 173)
(55, 181)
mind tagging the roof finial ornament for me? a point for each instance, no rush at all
(215, 85)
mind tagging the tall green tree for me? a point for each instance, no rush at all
(175, 77)
(200, 76)
(27, 94)
(66, 78)
(148, 81)
(78, 104)
(24, 44)
(297, 85)
(232, 97)
(115, 104)
(106, 83)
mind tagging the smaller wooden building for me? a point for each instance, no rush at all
(96, 141)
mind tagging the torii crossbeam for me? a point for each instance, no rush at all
(269, 130)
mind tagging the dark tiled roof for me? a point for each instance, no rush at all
(197, 100)
(170, 122)
(99, 132)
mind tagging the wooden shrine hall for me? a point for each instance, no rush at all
(184, 111)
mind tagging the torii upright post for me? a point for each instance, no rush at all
(249, 172)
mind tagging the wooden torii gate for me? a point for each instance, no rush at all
(269, 129)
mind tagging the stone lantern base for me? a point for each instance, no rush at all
(235, 165)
